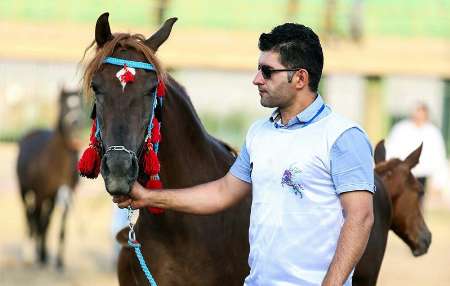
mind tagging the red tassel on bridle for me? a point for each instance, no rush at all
(151, 163)
(161, 88)
(89, 163)
(127, 76)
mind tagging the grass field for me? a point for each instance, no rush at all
(403, 18)
(89, 242)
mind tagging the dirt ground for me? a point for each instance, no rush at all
(89, 255)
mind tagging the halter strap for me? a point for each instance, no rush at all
(131, 64)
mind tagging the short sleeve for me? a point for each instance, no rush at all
(241, 168)
(352, 162)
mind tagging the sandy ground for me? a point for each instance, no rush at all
(89, 255)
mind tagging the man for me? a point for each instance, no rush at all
(407, 135)
(310, 172)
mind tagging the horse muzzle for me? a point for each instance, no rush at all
(119, 170)
(423, 243)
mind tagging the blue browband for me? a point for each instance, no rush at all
(131, 64)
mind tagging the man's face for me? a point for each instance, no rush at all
(275, 91)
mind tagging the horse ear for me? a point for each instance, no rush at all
(380, 152)
(102, 30)
(382, 168)
(413, 158)
(160, 36)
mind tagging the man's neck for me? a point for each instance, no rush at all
(289, 112)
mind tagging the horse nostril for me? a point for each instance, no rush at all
(427, 238)
(104, 166)
(134, 169)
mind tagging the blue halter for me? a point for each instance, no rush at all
(130, 64)
(132, 239)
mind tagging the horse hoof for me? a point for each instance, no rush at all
(60, 266)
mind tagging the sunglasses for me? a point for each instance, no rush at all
(267, 71)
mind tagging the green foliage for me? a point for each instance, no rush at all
(382, 17)
(231, 127)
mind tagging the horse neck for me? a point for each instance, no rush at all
(59, 140)
(383, 208)
(188, 154)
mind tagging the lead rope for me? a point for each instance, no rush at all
(132, 242)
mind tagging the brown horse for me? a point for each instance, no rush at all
(396, 207)
(46, 168)
(179, 249)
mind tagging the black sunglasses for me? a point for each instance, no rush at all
(267, 71)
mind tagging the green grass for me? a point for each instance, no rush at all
(382, 17)
(230, 128)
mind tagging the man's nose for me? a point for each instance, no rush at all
(258, 79)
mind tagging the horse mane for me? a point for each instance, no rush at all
(227, 146)
(121, 40)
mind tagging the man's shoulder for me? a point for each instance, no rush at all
(336, 119)
(258, 125)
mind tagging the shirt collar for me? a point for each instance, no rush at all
(302, 117)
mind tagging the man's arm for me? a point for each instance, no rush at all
(206, 198)
(358, 216)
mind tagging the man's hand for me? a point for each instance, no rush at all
(202, 199)
(137, 198)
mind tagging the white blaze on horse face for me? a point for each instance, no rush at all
(120, 73)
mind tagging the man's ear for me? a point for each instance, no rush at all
(301, 78)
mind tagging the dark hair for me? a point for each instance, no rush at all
(298, 46)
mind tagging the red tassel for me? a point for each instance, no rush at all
(89, 163)
(127, 76)
(154, 185)
(156, 134)
(151, 162)
(155, 211)
(160, 88)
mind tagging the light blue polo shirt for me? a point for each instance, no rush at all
(351, 154)
(297, 172)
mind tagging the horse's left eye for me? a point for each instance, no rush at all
(94, 88)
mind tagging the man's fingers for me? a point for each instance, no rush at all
(124, 204)
(119, 199)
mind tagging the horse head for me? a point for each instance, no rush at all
(404, 190)
(69, 122)
(123, 75)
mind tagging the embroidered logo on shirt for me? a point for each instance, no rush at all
(291, 178)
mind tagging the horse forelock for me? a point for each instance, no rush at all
(385, 166)
(124, 40)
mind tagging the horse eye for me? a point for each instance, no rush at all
(94, 88)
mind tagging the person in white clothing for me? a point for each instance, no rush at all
(310, 172)
(407, 135)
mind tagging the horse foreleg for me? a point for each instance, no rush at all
(62, 236)
(44, 213)
(29, 200)
(125, 268)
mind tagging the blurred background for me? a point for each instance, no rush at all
(381, 58)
